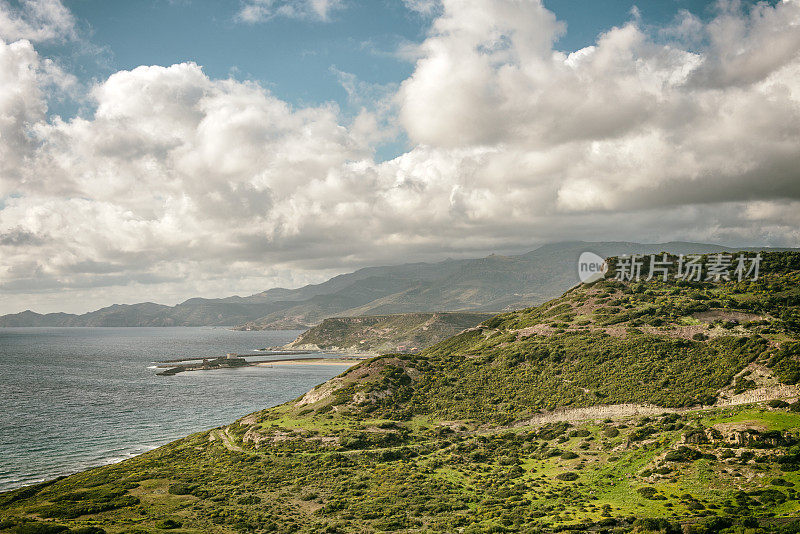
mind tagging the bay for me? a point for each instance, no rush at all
(73, 398)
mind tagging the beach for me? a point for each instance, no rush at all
(347, 362)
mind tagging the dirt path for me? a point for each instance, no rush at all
(619, 411)
(225, 438)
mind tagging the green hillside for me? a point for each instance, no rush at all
(624, 407)
(406, 332)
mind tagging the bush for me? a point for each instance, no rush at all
(180, 488)
(642, 433)
(682, 454)
(647, 492)
(610, 432)
(777, 403)
(655, 525)
(168, 524)
(40, 528)
(568, 476)
(715, 524)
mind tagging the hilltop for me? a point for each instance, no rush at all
(493, 283)
(405, 332)
(632, 406)
(668, 344)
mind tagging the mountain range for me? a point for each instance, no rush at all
(494, 283)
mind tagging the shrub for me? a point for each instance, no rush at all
(179, 488)
(610, 432)
(655, 525)
(40, 528)
(168, 524)
(682, 454)
(642, 433)
(647, 492)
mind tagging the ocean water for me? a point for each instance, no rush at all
(73, 398)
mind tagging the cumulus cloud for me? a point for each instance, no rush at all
(25, 79)
(253, 11)
(186, 184)
(642, 124)
(36, 20)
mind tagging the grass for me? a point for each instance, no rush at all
(771, 419)
(505, 477)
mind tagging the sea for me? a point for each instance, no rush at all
(74, 398)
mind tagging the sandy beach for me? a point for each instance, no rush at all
(348, 362)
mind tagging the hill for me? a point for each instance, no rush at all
(624, 406)
(406, 332)
(485, 284)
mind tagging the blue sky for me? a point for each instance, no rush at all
(297, 58)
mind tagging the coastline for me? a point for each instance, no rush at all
(235, 361)
(349, 362)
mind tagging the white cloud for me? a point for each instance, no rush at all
(746, 48)
(25, 79)
(423, 7)
(253, 11)
(36, 20)
(191, 185)
(687, 28)
(644, 123)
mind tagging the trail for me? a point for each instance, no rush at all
(618, 411)
(226, 440)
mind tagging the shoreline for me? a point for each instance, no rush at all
(233, 361)
(350, 361)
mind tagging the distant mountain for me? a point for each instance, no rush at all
(491, 284)
(494, 283)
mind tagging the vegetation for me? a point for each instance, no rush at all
(405, 332)
(602, 410)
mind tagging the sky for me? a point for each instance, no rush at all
(166, 149)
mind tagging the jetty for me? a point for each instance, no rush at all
(232, 360)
